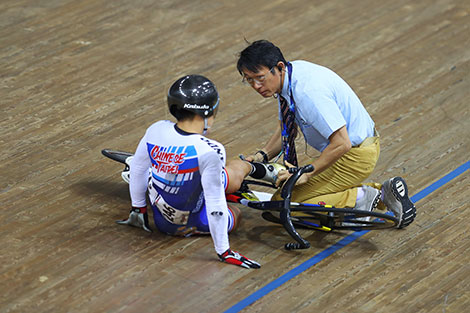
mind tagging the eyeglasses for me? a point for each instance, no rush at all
(259, 79)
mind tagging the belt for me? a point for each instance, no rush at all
(369, 140)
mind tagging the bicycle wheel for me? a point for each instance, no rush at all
(119, 156)
(341, 218)
(297, 222)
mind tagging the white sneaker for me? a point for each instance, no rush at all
(272, 170)
(368, 202)
(396, 199)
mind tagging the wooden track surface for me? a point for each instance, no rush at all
(79, 76)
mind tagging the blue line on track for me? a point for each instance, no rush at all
(444, 180)
(340, 244)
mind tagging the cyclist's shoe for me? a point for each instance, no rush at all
(396, 199)
(125, 174)
(272, 170)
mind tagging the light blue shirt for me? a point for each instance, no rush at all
(324, 103)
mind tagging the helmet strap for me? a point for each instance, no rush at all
(206, 126)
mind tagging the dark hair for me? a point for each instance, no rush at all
(181, 114)
(257, 54)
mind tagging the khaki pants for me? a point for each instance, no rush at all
(338, 184)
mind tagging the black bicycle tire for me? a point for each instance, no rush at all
(389, 220)
(116, 155)
(321, 214)
(268, 216)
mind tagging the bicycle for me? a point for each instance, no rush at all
(293, 215)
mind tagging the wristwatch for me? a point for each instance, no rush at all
(265, 156)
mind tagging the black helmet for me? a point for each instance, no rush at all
(194, 93)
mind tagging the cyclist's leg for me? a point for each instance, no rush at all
(162, 224)
(237, 170)
(234, 174)
(235, 216)
(198, 223)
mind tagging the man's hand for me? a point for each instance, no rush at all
(284, 175)
(251, 158)
(138, 217)
(233, 257)
(257, 157)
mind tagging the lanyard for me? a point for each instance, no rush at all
(284, 134)
(291, 96)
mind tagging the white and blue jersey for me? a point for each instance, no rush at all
(175, 172)
(186, 185)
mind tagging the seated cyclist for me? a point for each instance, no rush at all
(188, 178)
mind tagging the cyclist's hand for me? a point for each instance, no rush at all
(233, 257)
(138, 217)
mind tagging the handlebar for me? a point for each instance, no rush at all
(286, 194)
(296, 173)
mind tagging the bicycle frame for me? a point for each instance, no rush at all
(285, 206)
(330, 217)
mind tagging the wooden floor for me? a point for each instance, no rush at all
(79, 76)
